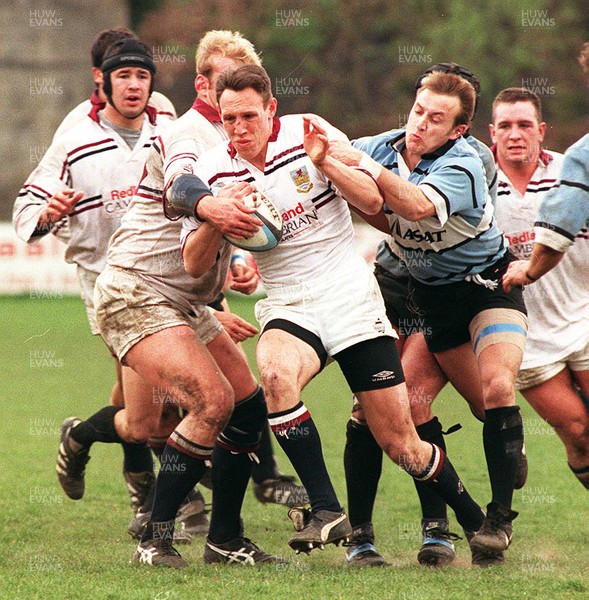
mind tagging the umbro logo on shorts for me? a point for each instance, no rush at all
(383, 375)
(379, 326)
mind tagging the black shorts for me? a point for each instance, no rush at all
(217, 303)
(372, 364)
(447, 310)
(401, 310)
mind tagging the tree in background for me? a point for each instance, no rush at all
(356, 62)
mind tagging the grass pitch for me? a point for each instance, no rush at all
(53, 547)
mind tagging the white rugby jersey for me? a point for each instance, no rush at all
(158, 102)
(558, 303)
(92, 158)
(317, 232)
(147, 242)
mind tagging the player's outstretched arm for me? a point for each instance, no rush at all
(402, 197)
(526, 272)
(358, 189)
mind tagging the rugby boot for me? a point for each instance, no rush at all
(496, 531)
(71, 465)
(139, 522)
(437, 549)
(192, 514)
(138, 485)
(281, 489)
(158, 553)
(316, 529)
(484, 558)
(241, 551)
(362, 552)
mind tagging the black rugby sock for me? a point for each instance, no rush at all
(432, 505)
(230, 475)
(297, 435)
(582, 475)
(363, 467)
(179, 472)
(503, 438)
(137, 457)
(441, 475)
(100, 427)
(156, 447)
(267, 468)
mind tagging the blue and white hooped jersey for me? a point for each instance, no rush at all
(564, 212)
(463, 238)
(317, 232)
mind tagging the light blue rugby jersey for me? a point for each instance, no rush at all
(565, 209)
(464, 238)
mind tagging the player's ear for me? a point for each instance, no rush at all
(201, 84)
(492, 132)
(97, 76)
(272, 106)
(458, 131)
(542, 130)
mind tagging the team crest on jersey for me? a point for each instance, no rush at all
(301, 180)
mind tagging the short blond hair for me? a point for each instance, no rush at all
(225, 43)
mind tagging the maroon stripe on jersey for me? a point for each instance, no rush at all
(85, 208)
(146, 188)
(279, 156)
(159, 145)
(323, 194)
(218, 176)
(81, 156)
(542, 181)
(181, 156)
(326, 201)
(87, 200)
(149, 196)
(60, 225)
(106, 140)
(32, 186)
(285, 162)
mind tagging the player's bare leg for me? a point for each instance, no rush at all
(389, 418)
(425, 380)
(569, 416)
(502, 438)
(178, 358)
(286, 365)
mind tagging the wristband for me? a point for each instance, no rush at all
(370, 166)
(532, 279)
(238, 258)
(183, 196)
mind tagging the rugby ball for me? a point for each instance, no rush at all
(269, 234)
